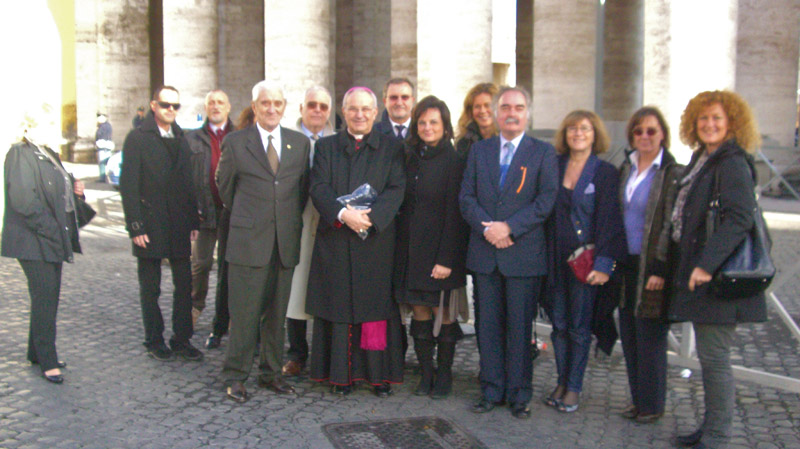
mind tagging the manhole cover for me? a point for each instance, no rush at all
(426, 432)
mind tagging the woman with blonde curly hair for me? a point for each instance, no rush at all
(586, 212)
(720, 127)
(477, 120)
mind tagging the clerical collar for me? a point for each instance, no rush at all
(356, 136)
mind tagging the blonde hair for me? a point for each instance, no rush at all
(601, 139)
(466, 113)
(742, 125)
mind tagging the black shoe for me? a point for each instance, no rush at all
(482, 406)
(341, 390)
(161, 353)
(690, 439)
(59, 364)
(55, 378)
(237, 392)
(383, 390)
(521, 411)
(187, 352)
(213, 341)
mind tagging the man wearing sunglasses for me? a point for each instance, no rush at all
(161, 217)
(315, 112)
(398, 99)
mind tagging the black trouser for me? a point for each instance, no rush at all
(298, 345)
(44, 287)
(222, 316)
(150, 290)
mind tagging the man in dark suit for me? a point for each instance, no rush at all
(161, 216)
(509, 188)
(398, 99)
(263, 180)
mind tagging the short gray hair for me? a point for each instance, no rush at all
(315, 89)
(215, 91)
(505, 89)
(355, 89)
(267, 85)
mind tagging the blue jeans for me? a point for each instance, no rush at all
(573, 305)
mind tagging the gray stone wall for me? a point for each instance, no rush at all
(240, 63)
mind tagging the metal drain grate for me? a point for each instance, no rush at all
(426, 432)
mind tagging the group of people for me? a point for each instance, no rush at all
(534, 224)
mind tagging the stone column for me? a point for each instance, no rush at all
(453, 54)
(564, 62)
(766, 65)
(623, 58)
(190, 54)
(296, 51)
(689, 47)
(524, 47)
(404, 39)
(240, 64)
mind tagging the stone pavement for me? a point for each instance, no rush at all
(115, 396)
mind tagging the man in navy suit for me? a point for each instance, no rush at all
(509, 188)
(398, 99)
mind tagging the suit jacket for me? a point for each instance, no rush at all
(524, 202)
(385, 127)
(263, 204)
(158, 194)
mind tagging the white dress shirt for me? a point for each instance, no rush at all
(276, 138)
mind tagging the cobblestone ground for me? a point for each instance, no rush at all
(115, 396)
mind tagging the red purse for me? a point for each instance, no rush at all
(582, 261)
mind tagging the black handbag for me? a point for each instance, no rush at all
(749, 270)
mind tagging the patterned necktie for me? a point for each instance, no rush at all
(399, 129)
(505, 161)
(272, 156)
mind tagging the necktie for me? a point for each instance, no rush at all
(272, 156)
(505, 161)
(314, 136)
(399, 129)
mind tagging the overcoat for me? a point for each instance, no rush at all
(158, 195)
(263, 204)
(200, 144)
(430, 229)
(350, 278)
(737, 207)
(35, 222)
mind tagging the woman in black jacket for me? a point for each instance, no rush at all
(647, 181)
(40, 230)
(430, 241)
(720, 127)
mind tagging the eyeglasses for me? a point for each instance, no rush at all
(399, 97)
(650, 131)
(167, 105)
(583, 129)
(316, 105)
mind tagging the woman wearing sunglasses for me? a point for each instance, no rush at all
(647, 176)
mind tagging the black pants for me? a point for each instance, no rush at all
(150, 290)
(44, 287)
(222, 316)
(298, 345)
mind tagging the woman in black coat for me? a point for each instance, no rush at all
(40, 230)
(429, 262)
(720, 127)
(647, 181)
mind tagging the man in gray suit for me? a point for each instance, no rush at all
(263, 180)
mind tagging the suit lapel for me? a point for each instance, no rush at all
(493, 162)
(256, 148)
(587, 175)
(288, 152)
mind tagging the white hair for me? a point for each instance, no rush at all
(353, 90)
(267, 85)
(315, 89)
(215, 91)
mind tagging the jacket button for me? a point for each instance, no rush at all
(579, 232)
(276, 182)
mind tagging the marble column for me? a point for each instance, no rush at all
(240, 62)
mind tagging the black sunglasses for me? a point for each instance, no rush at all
(650, 131)
(167, 105)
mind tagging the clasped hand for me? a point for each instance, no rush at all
(498, 233)
(357, 219)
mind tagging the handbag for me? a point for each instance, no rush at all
(83, 211)
(749, 270)
(582, 261)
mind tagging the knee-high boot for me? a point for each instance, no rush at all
(448, 336)
(422, 332)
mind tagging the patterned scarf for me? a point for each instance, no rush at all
(685, 186)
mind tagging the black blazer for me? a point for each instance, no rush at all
(737, 206)
(158, 195)
(430, 229)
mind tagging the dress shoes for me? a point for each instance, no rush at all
(161, 353)
(691, 439)
(59, 364)
(237, 392)
(383, 390)
(213, 341)
(187, 352)
(54, 378)
(648, 418)
(278, 385)
(521, 411)
(341, 390)
(631, 412)
(482, 406)
(292, 368)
